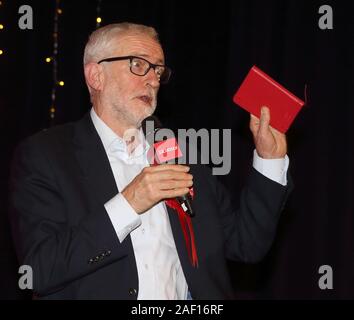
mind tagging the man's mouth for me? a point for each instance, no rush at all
(145, 99)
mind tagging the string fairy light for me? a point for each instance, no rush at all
(54, 60)
(2, 27)
(98, 14)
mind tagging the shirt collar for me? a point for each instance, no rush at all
(108, 136)
(113, 143)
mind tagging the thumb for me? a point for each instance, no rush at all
(264, 120)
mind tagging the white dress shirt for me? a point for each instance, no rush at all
(159, 270)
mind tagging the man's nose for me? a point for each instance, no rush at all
(152, 78)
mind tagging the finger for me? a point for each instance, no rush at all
(173, 167)
(174, 184)
(174, 193)
(254, 118)
(276, 132)
(264, 120)
(172, 175)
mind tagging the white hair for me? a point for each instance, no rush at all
(101, 42)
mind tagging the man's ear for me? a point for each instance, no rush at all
(94, 76)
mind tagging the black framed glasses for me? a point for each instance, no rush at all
(140, 67)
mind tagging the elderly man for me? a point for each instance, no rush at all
(92, 222)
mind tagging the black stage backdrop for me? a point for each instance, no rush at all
(211, 46)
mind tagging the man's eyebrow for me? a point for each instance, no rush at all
(147, 57)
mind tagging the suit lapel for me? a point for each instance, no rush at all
(93, 161)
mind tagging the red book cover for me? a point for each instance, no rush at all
(258, 89)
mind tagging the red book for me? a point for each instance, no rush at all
(258, 89)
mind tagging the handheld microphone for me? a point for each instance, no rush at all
(165, 151)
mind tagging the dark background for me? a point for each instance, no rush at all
(210, 47)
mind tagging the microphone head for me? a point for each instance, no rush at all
(164, 145)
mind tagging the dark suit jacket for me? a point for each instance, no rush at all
(61, 179)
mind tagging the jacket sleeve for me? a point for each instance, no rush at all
(250, 230)
(57, 252)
